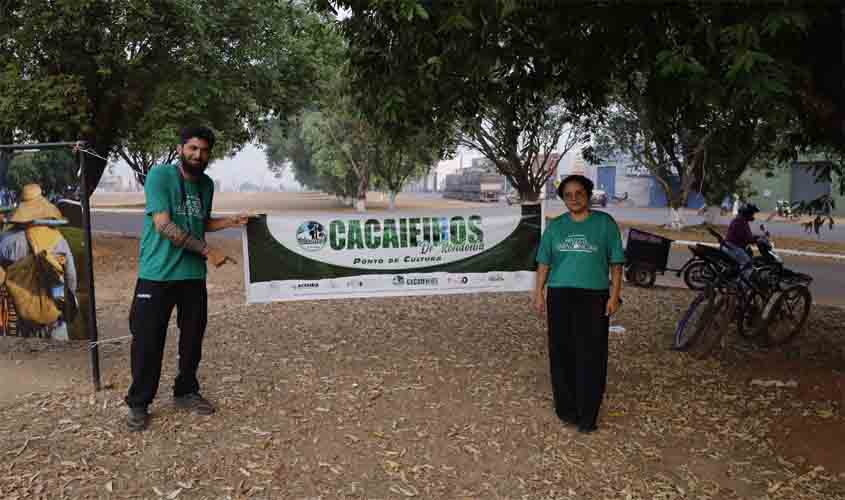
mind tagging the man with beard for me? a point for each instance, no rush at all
(172, 273)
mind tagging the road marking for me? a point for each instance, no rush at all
(778, 250)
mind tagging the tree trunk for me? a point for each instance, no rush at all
(392, 203)
(5, 162)
(676, 219)
(95, 167)
(527, 191)
(361, 201)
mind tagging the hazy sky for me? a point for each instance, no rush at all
(250, 165)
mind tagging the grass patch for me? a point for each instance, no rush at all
(78, 329)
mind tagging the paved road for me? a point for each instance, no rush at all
(827, 287)
(132, 223)
(660, 216)
(828, 276)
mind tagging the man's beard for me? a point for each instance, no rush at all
(194, 170)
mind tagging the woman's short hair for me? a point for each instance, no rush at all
(586, 183)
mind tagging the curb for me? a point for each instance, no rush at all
(116, 234)
(108, 210)
(778, 250)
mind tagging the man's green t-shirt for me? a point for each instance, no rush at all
(579, 254)
(189, 206)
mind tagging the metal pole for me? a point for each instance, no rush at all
(37, 145)
(92, 304)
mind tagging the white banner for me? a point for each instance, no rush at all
(345, 255)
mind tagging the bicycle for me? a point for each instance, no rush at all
(764, 297)
(694, 321)
(705, 314)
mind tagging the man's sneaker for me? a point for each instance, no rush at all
(137, 419)
(195, 403)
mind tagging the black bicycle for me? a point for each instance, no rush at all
(764, 299)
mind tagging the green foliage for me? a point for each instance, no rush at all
(706, 95)
(55, 171)
(706, 88)
(284, 144)
(125, 76)
(335, 148)
(78, 330)
(416, 72)
(397, 162)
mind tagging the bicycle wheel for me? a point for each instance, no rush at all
(751, 324)
(643, 277)
(699, 274)
(687, 328)
(786, 314)
(719, 315)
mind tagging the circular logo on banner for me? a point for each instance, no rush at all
(311, 236)
(398, 280)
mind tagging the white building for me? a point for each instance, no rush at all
(616, 176)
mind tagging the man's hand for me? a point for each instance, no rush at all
(221, 223)
(539, 303)
(613, 304)
(238, 220)
(217, 257)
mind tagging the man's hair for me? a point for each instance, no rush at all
(586, 183)
(199, 132)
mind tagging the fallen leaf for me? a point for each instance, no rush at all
(407, 490)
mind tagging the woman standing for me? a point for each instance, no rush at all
(578, 252)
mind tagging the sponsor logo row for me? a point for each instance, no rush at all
(402, 281)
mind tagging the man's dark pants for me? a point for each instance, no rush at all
(578, 350)
(151, 309)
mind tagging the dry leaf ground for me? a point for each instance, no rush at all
(431, 398)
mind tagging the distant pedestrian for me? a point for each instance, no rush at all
(580, 262)
(172, 274)
(727, 205)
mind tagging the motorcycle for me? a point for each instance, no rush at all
(708, 262)
(784, 209)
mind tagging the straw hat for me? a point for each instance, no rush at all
(33, 205)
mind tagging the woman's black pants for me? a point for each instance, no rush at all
(578, 332)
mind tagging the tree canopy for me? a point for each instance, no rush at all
(709, 86)
(125, 76)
